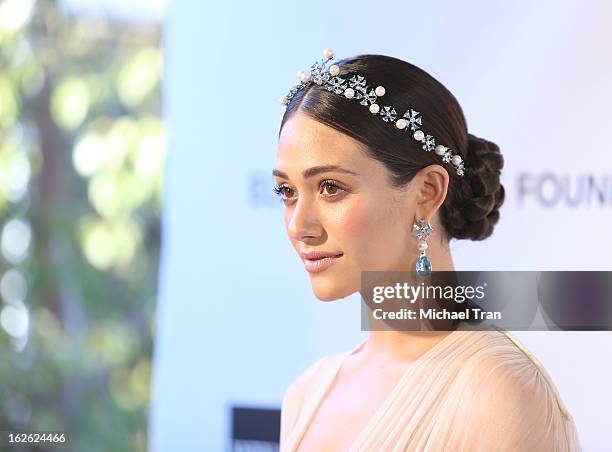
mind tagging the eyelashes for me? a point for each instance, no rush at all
(280, 191)
(328, 188)
(334, 186)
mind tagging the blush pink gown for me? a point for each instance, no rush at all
(473, 391)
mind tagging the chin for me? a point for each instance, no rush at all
(331, 290)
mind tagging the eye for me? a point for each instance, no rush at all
(284, 191)
(331, 188)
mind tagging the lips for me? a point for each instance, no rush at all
(317, 261)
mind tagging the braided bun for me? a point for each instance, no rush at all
(472, 209)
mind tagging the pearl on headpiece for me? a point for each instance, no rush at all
(359, 87)
(422, 246)
(441, 150)
(401, 123)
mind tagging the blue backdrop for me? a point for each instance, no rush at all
(237, 320)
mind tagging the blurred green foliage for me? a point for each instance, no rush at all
(81, 155)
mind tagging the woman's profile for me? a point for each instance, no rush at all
(377, 171)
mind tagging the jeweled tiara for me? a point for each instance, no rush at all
(357, 88)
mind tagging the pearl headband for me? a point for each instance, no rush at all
(357, 88)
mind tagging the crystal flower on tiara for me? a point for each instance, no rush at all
(357, 87)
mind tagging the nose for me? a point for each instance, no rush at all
(302, 222)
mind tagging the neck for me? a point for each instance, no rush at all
(404, 346)
(440, 256)
(409, 345)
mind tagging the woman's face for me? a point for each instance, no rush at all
(340, 201)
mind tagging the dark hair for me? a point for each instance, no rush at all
(471, 207)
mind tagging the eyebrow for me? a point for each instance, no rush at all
(310, 172)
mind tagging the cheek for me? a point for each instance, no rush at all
(371, 231)
(352, 222)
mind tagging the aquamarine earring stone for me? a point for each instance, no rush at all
(423, 266)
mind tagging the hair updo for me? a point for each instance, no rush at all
(471, 207)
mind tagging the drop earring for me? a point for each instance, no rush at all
(421, 230)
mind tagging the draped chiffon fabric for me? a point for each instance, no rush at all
(472, 391)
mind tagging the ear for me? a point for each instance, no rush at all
(431, 185)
